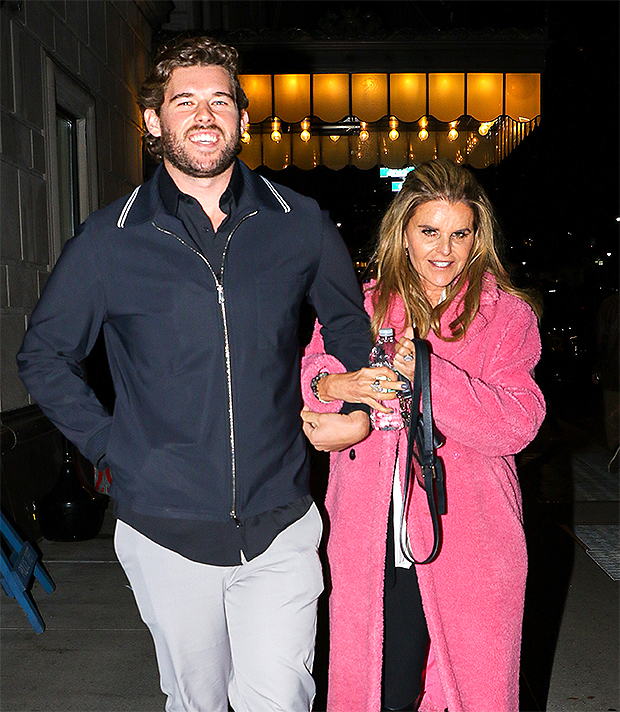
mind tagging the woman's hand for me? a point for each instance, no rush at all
(404, 361)
(333, 432)
(367, 385)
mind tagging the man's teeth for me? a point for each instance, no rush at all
(203, 138)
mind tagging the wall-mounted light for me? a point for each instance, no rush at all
(276, 136)
(364, 133)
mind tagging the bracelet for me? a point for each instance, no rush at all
(314, 383)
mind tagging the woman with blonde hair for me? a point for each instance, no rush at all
(447, 634)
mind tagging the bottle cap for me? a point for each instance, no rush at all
(386, 333)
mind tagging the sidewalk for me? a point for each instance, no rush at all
(96, 655)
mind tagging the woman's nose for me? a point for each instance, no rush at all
(444, 246)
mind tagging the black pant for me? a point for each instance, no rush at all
(406, 639)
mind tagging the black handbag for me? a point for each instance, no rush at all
(424, 439)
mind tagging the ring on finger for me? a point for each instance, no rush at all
(376, 386)
(408, 357)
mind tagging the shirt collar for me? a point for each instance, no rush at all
(170, 193)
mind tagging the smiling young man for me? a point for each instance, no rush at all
(197, 279)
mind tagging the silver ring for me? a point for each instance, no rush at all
(408, 357)
(376, 386)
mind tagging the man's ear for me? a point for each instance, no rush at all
(151, 120)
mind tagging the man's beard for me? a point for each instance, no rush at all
(175, 152)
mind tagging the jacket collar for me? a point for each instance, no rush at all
(145, 203)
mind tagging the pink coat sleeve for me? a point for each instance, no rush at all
(499, 410)
(314, 361)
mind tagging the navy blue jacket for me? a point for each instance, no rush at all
(206, 421)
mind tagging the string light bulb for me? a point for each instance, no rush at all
(423, 135)
(276, 136)
(305, 134)
(453, 134)
(245, 137)
(483, 129)
(393, 135)
(364, 133)
(423, 122)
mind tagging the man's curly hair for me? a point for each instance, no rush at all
(189, 52)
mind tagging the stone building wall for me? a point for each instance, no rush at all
(102, 48)
(86, 58)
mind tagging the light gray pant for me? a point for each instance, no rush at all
(244, 633)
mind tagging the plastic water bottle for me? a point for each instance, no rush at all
(382, 354)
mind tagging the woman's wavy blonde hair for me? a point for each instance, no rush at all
(440, 179)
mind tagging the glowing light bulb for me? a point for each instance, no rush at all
(334, 138)
(276, 136)
(423, 135)
(305, 136)
(393, 135)
(423, 122)
(364, 134)
(453, 134)
(245, 137)
(483, 129)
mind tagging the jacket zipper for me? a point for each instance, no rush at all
(221, 299)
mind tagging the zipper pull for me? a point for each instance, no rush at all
(220, 294)
(238, 522)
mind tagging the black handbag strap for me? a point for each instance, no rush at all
(425, 438)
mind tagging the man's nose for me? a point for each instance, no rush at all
(203, 111)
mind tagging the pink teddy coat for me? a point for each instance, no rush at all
(488, 406)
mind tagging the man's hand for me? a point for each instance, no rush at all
(333, 432)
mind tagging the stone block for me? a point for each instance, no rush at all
(23, 289)
(104, 145)
(66, 46)
(13, 393)
(7, 93)
(38, 152)
(10, 244)
(16, 144)
(35, 235)
(89, 68)
(117, 136)
(110, 87)
(28, 78)
(77, 19)
(4, 293)
(97, 28)
(114, 33)
(40, 21)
